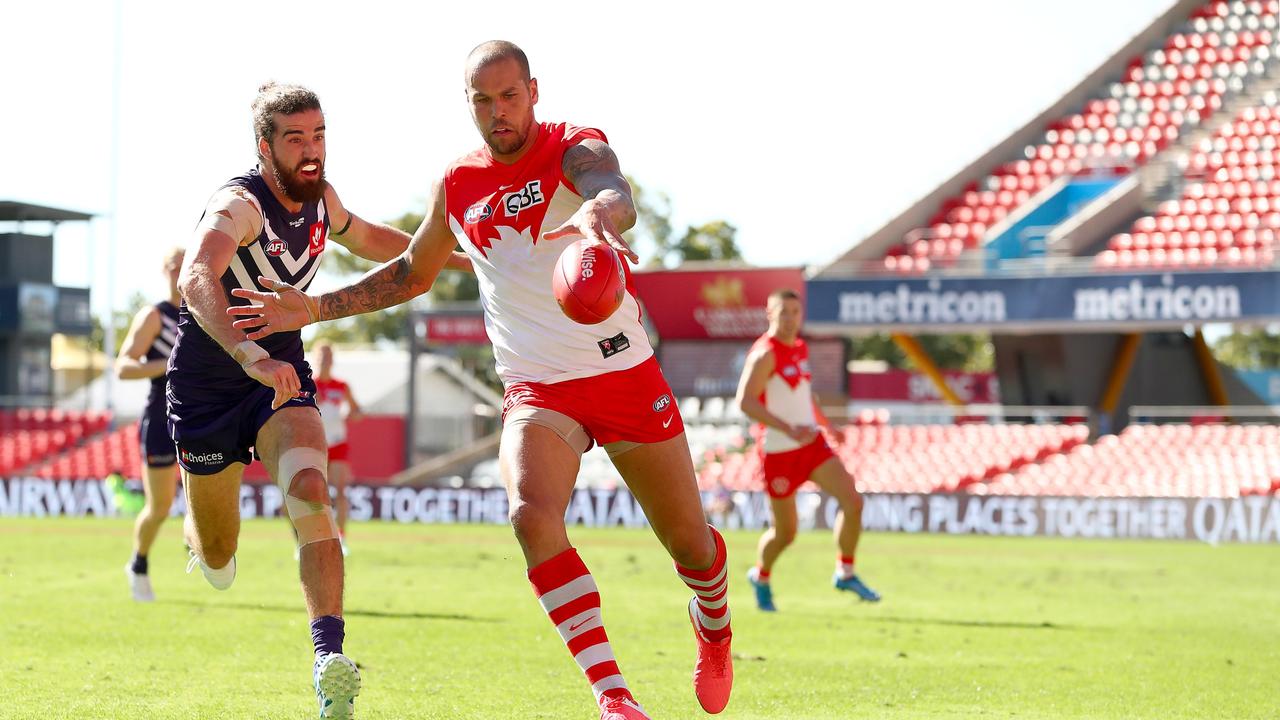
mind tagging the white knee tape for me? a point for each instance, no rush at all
(313, 521)
(296, 460)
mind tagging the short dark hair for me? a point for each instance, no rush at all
(493, 51)
(783, 294)
(276, 98)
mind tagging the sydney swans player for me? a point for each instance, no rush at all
(266, 229)
(776, 391)
(514, 205)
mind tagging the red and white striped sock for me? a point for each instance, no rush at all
(711, 586)
(844, 566)
(569, 596)
(762, 575)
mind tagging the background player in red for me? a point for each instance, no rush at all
(143, 356)
(514, 205)
(776, 391)
(337, 407)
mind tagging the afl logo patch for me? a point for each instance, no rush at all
(476, 213)
(662, 403)
(276, 248)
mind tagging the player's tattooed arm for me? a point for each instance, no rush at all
(405, 277)
(374, 241)
(607, 210)
(391, 283)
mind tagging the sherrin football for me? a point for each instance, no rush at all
(589, 282)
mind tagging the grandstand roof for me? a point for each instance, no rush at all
(13, 211)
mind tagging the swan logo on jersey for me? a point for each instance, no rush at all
(317, 238)
(525, 198)
(477, 212)
(276, 248)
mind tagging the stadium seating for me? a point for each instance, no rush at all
(912, 458)
(116, 451)
(1157, 461)
(29, 437)
(1217, 50)
(1229, 212)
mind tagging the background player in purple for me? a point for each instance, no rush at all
(266, 230)
(144, 356)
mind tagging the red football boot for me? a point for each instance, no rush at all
(713, 673)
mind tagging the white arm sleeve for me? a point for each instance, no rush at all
(235, 212)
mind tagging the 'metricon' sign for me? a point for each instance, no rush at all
(1055, 301)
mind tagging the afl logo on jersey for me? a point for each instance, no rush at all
(529, 195)
(476, 213)
(317, 238)
(662, 403)
(276, 248)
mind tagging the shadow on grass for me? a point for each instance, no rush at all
(993, 624)
(348, 612)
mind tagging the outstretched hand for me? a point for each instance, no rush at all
(594, 224)
(285, 308)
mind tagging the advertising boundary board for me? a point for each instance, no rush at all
(1251, 519)
(1066, 303)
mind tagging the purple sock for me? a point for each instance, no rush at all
(139, 565)
(327, 633)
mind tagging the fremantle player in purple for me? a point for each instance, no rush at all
(266, 230)
(143, 356)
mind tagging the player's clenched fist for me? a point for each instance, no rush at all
(279, 376)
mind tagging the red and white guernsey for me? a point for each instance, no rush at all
(331, 396)
(788, 393)
(498, 213)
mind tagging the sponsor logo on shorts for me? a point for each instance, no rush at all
(191, 458)
(527, 197)
(476, 213)
(662, 403)
(780, 485)
(276, 248)
(614, 345)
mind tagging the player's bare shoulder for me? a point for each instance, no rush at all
(235, 212)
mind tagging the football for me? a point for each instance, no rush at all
(589, 282)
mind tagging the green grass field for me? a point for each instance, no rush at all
(444, 625)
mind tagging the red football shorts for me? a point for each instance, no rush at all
(339, 451)
(634, 405)
(785, 472)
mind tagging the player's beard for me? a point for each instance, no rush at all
(294, 187)
(510, 144)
